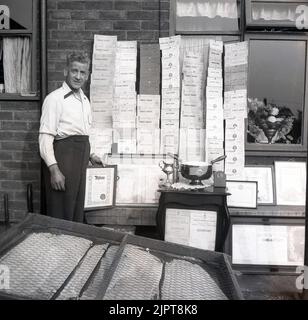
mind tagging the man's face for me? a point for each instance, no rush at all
(76, 74)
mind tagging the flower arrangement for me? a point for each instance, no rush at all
(268, 122)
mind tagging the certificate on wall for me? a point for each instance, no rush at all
(268, 244)
(100, 187)
(195, 228)
(243, 194)
(290, 183)
(264, 176)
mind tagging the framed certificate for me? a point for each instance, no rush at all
(290, 183)
(243, 194)
(100, 187)
(264, 175)
(195, 228)
(138, 179)
(256, 244)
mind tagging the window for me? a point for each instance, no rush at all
(205, 16)
(283, 13)
(277, 74)
(17, 48)
(276, 92)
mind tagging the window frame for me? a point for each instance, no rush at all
(32, 34)
(263, 149)
(172, 23)
(250, 23)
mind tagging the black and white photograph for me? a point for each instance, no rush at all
(153, 150)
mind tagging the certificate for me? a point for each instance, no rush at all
(100, 187)
(138, 183)
(196, 228)
(243, 194)
(264, 176)
(290, 183)
(268, 244)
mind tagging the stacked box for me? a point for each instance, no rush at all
(214, 106)
(102, 80)
(148, 117)
(149, 69)
(101, 93)
(170, 111)
(192, 111)
(124, 106)
(235, 107)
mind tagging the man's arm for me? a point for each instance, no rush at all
(57, 179)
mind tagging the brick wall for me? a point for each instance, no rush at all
(19, 156)
(72, 25)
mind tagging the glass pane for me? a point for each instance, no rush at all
(15, 65)
(196, 16)
(274, 11)
(276, 87)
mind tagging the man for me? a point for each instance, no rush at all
(64, 142)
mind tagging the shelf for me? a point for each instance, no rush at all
(270, 211)
(17, 97)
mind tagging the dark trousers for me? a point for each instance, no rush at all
(72, 155)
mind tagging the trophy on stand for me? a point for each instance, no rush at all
(168, 168)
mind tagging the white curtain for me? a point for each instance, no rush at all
(274, 12)
(17, 64)
(207, 8)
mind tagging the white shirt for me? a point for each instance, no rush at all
(63, 115)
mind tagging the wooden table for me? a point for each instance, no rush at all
(213, 199)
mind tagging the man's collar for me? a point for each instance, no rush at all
(68, 90)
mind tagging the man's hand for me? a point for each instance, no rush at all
(57, 179)
(94, 159)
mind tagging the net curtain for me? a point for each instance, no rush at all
(17, 64)
(269, 11)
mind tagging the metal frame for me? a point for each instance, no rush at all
(281, 148)
(286, 163)
(258, 268)
(252, 206)
(271, 167)
(32, 33)
(111, 170)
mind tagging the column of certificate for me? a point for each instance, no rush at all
(192, 111)
(170, 111)
(149, 77)
(214, 106)
(101, 92)
(148, 117)
(124, 104)
(235, 107)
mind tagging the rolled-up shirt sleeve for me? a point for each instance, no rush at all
(51, 112)
(46, 148)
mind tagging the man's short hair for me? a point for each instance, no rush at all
(81, 57)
